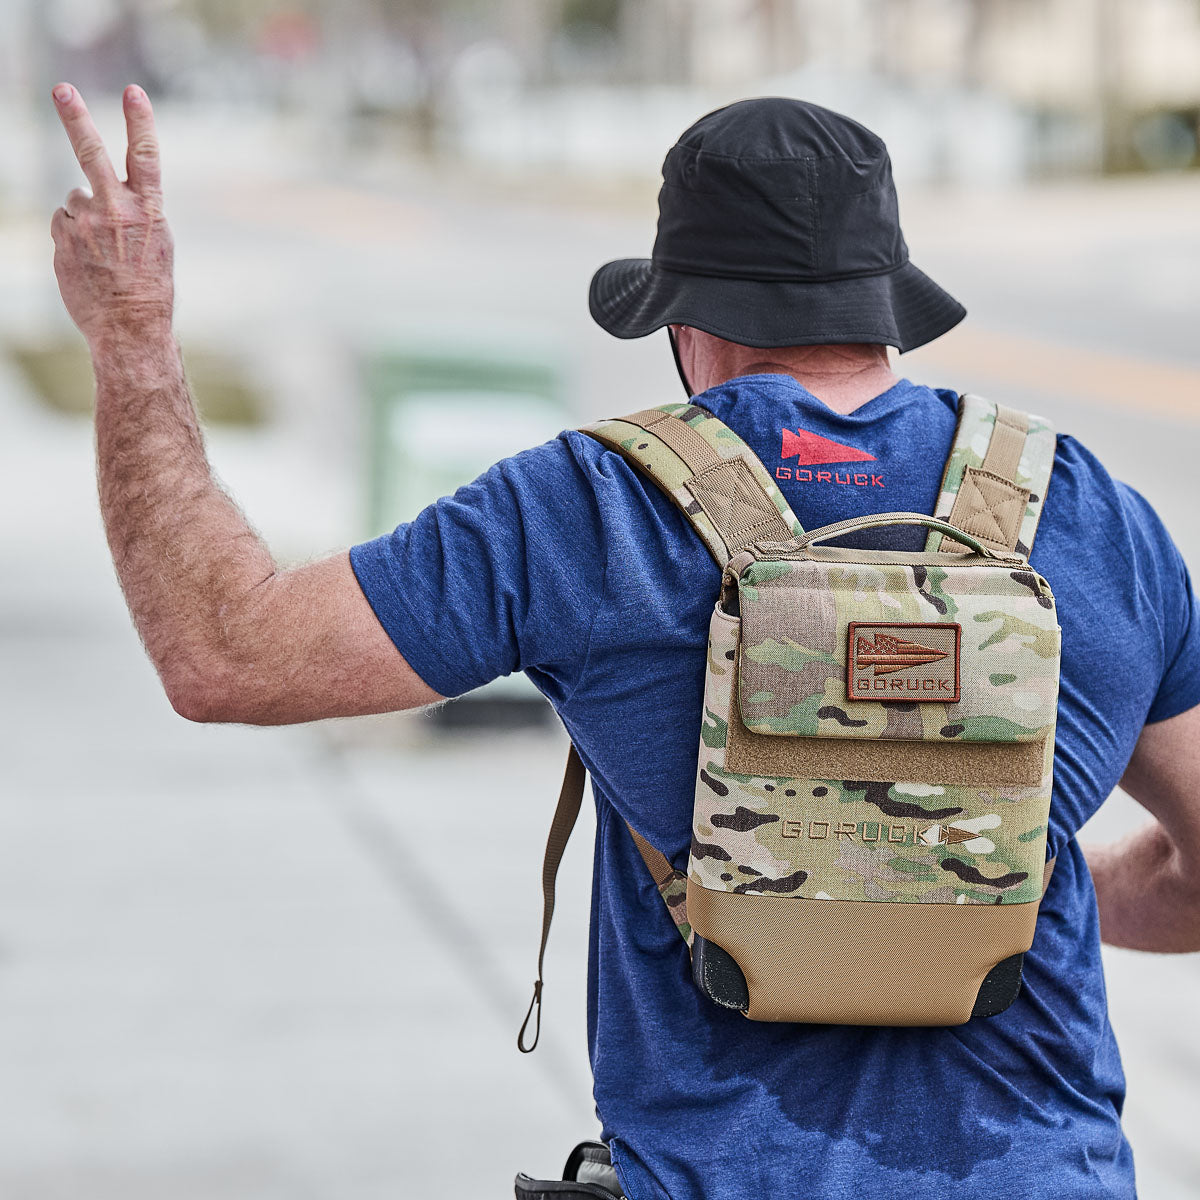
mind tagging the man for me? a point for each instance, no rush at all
(782, 276)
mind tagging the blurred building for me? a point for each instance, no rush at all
(1130, 69)
(966, 89)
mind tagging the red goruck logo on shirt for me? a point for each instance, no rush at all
(811, 450)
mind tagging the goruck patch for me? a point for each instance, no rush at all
(905, 661)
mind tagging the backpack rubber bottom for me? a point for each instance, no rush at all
(842, 962)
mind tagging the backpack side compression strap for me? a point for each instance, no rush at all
(708, 472)
(670, 882)
(996, 476)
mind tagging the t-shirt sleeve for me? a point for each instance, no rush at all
(504, 575)
(1168, 587)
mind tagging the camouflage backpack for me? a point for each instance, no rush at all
(877, 741)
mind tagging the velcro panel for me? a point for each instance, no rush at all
(947, 761)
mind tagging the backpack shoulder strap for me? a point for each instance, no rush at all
(996, 476)
(707, 471)
(731, 501)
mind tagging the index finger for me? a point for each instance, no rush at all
(141, 161)
(85, 140)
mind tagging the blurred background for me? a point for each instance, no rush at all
(222, 970)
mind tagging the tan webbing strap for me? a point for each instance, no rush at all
(1004, 451)
(724, 487)
(990, 504)
(566, 813)
(656, 861)
(570, 797)
(730, 501)
(671, 884)
(695, 451)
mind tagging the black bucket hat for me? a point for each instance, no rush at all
(778, 226)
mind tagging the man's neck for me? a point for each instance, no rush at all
(842, 377)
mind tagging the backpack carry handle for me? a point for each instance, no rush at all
(900, 518)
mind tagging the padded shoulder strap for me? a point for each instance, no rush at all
(726, 493)
(710, 474)
(996, 477)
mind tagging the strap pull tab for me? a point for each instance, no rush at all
(536, 1002)
(569, 800)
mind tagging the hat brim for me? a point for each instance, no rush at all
(631, 297)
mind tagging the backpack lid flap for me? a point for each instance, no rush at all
(881, 649)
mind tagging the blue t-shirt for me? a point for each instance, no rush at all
(564, 563)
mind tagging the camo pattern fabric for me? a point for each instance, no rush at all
(899, 841)
(977, 418)
(792, 664)
(674, 895)
(667, 469)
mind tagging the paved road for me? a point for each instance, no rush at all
(225, 967)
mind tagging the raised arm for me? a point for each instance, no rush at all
(1148, 883)
(233, 638)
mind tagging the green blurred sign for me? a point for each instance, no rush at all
(436, 421)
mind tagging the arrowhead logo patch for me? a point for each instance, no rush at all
(811, 448)
(887, 654)
(903, 661)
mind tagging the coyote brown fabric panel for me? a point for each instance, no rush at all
(994, 486)
(989, 507)
(856, 954)
(707, 471)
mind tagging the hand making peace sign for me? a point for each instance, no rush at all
(113, 251)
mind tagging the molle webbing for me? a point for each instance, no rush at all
(709, 473)
(996, 477)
